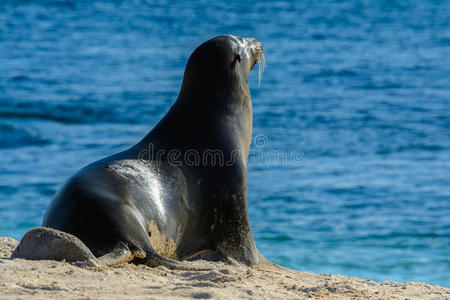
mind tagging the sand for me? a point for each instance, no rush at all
(24, 279)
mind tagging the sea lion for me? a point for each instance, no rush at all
(181, 190)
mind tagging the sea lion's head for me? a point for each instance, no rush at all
(224, 61)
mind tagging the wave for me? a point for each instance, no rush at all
(13, 137)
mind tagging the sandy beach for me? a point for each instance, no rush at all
(21, 279)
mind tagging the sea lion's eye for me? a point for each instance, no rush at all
(236, 59)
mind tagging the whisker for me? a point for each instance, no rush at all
(261, 65)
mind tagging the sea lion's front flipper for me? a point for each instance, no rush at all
(153, 259)
(121, 254)
(243, 252)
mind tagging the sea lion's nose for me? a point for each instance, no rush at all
(254, 45)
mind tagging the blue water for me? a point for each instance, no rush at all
(360, 88)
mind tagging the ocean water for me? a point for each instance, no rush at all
(359, 89)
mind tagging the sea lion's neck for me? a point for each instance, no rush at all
(222, 119)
